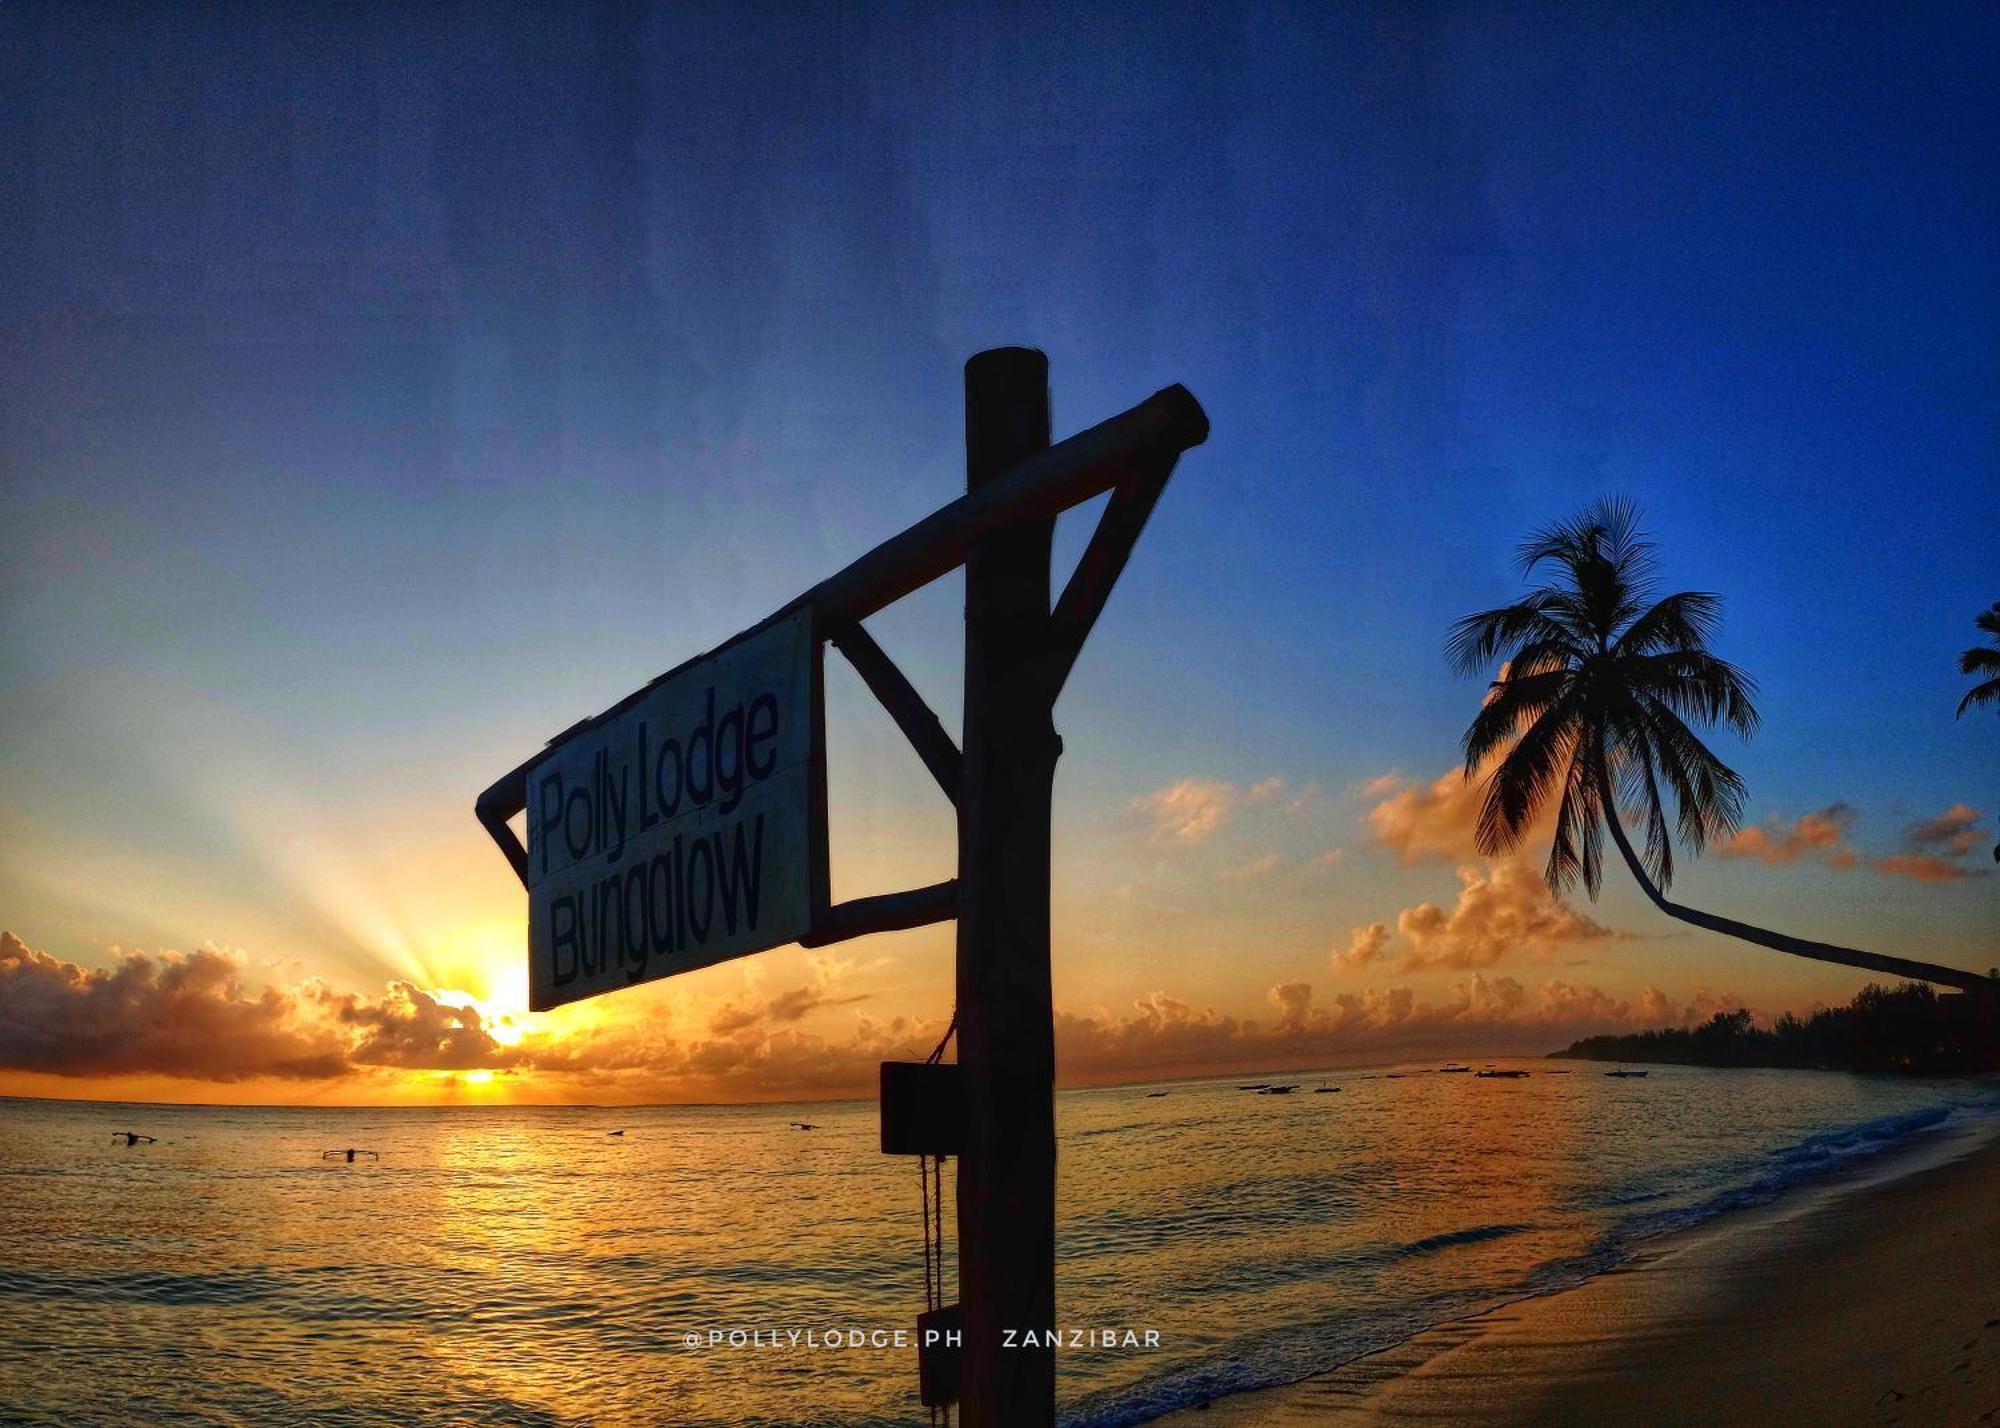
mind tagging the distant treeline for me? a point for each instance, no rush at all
(1907, 1028)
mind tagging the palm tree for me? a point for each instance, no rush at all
(1980, 660)
(1597, 688)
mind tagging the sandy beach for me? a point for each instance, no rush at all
(1868, 1301)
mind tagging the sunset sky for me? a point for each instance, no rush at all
(383, 390)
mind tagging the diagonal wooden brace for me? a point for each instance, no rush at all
(1090, 584)
(897, 695)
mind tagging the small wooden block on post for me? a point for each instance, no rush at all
(923, 1108)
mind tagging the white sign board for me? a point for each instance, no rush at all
(679, 831)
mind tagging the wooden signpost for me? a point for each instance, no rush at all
(687, 824)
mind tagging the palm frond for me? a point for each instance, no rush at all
(1606, 564)
(1698, 686)
(1683, 621)
(1978, 696)
(1511, 704)
(1519, 786)
(1659, 842)
(1477, 640)
(1708, 794)
(1607, 530)
(1576, 850)
(1981, 660)
(1632, 769)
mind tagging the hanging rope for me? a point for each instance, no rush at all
(931, 1188)
(937, 1052)
(930, 1181)
(933, 1195)
(930, 1237)
(937, 1227)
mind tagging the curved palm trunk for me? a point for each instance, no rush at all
(1797, 946)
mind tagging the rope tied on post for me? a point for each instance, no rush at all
(931, 1191)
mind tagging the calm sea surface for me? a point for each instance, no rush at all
(518, 1266)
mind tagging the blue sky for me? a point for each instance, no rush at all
(386, 389)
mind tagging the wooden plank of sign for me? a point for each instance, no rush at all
(682, 832)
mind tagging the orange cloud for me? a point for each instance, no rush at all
(1930, 846)
(1821, 835)
(787, 1007)
(1276, 791)
(1438, 821)
(178, 1015)
(1656, 1009)
(1923, 868)
(410, 1028)
(1953, 832)
(1294, 1003)
(1165, 1035)
(1364, 945)
(1189, 811)
(1504, 914)
(1706, 1004)
(1418, 821)
(1566, 1002)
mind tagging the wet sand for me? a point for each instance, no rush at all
(1870, 1302)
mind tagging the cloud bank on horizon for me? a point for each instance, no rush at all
(179, 1022)
(193, 1018)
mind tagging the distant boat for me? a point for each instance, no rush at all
(1277, 1090)
(1500, 1075)
(803, 1125)
(1323, 1089)
(1452, 1070)
(616, 1132)
(1625, 1073)
(1255, 1086)
(1155, 1095)
(1395, 1076)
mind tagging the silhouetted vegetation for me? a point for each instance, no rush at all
(1983, 659)
(1909, 1028)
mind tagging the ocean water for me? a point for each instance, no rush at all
(521, 1267)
